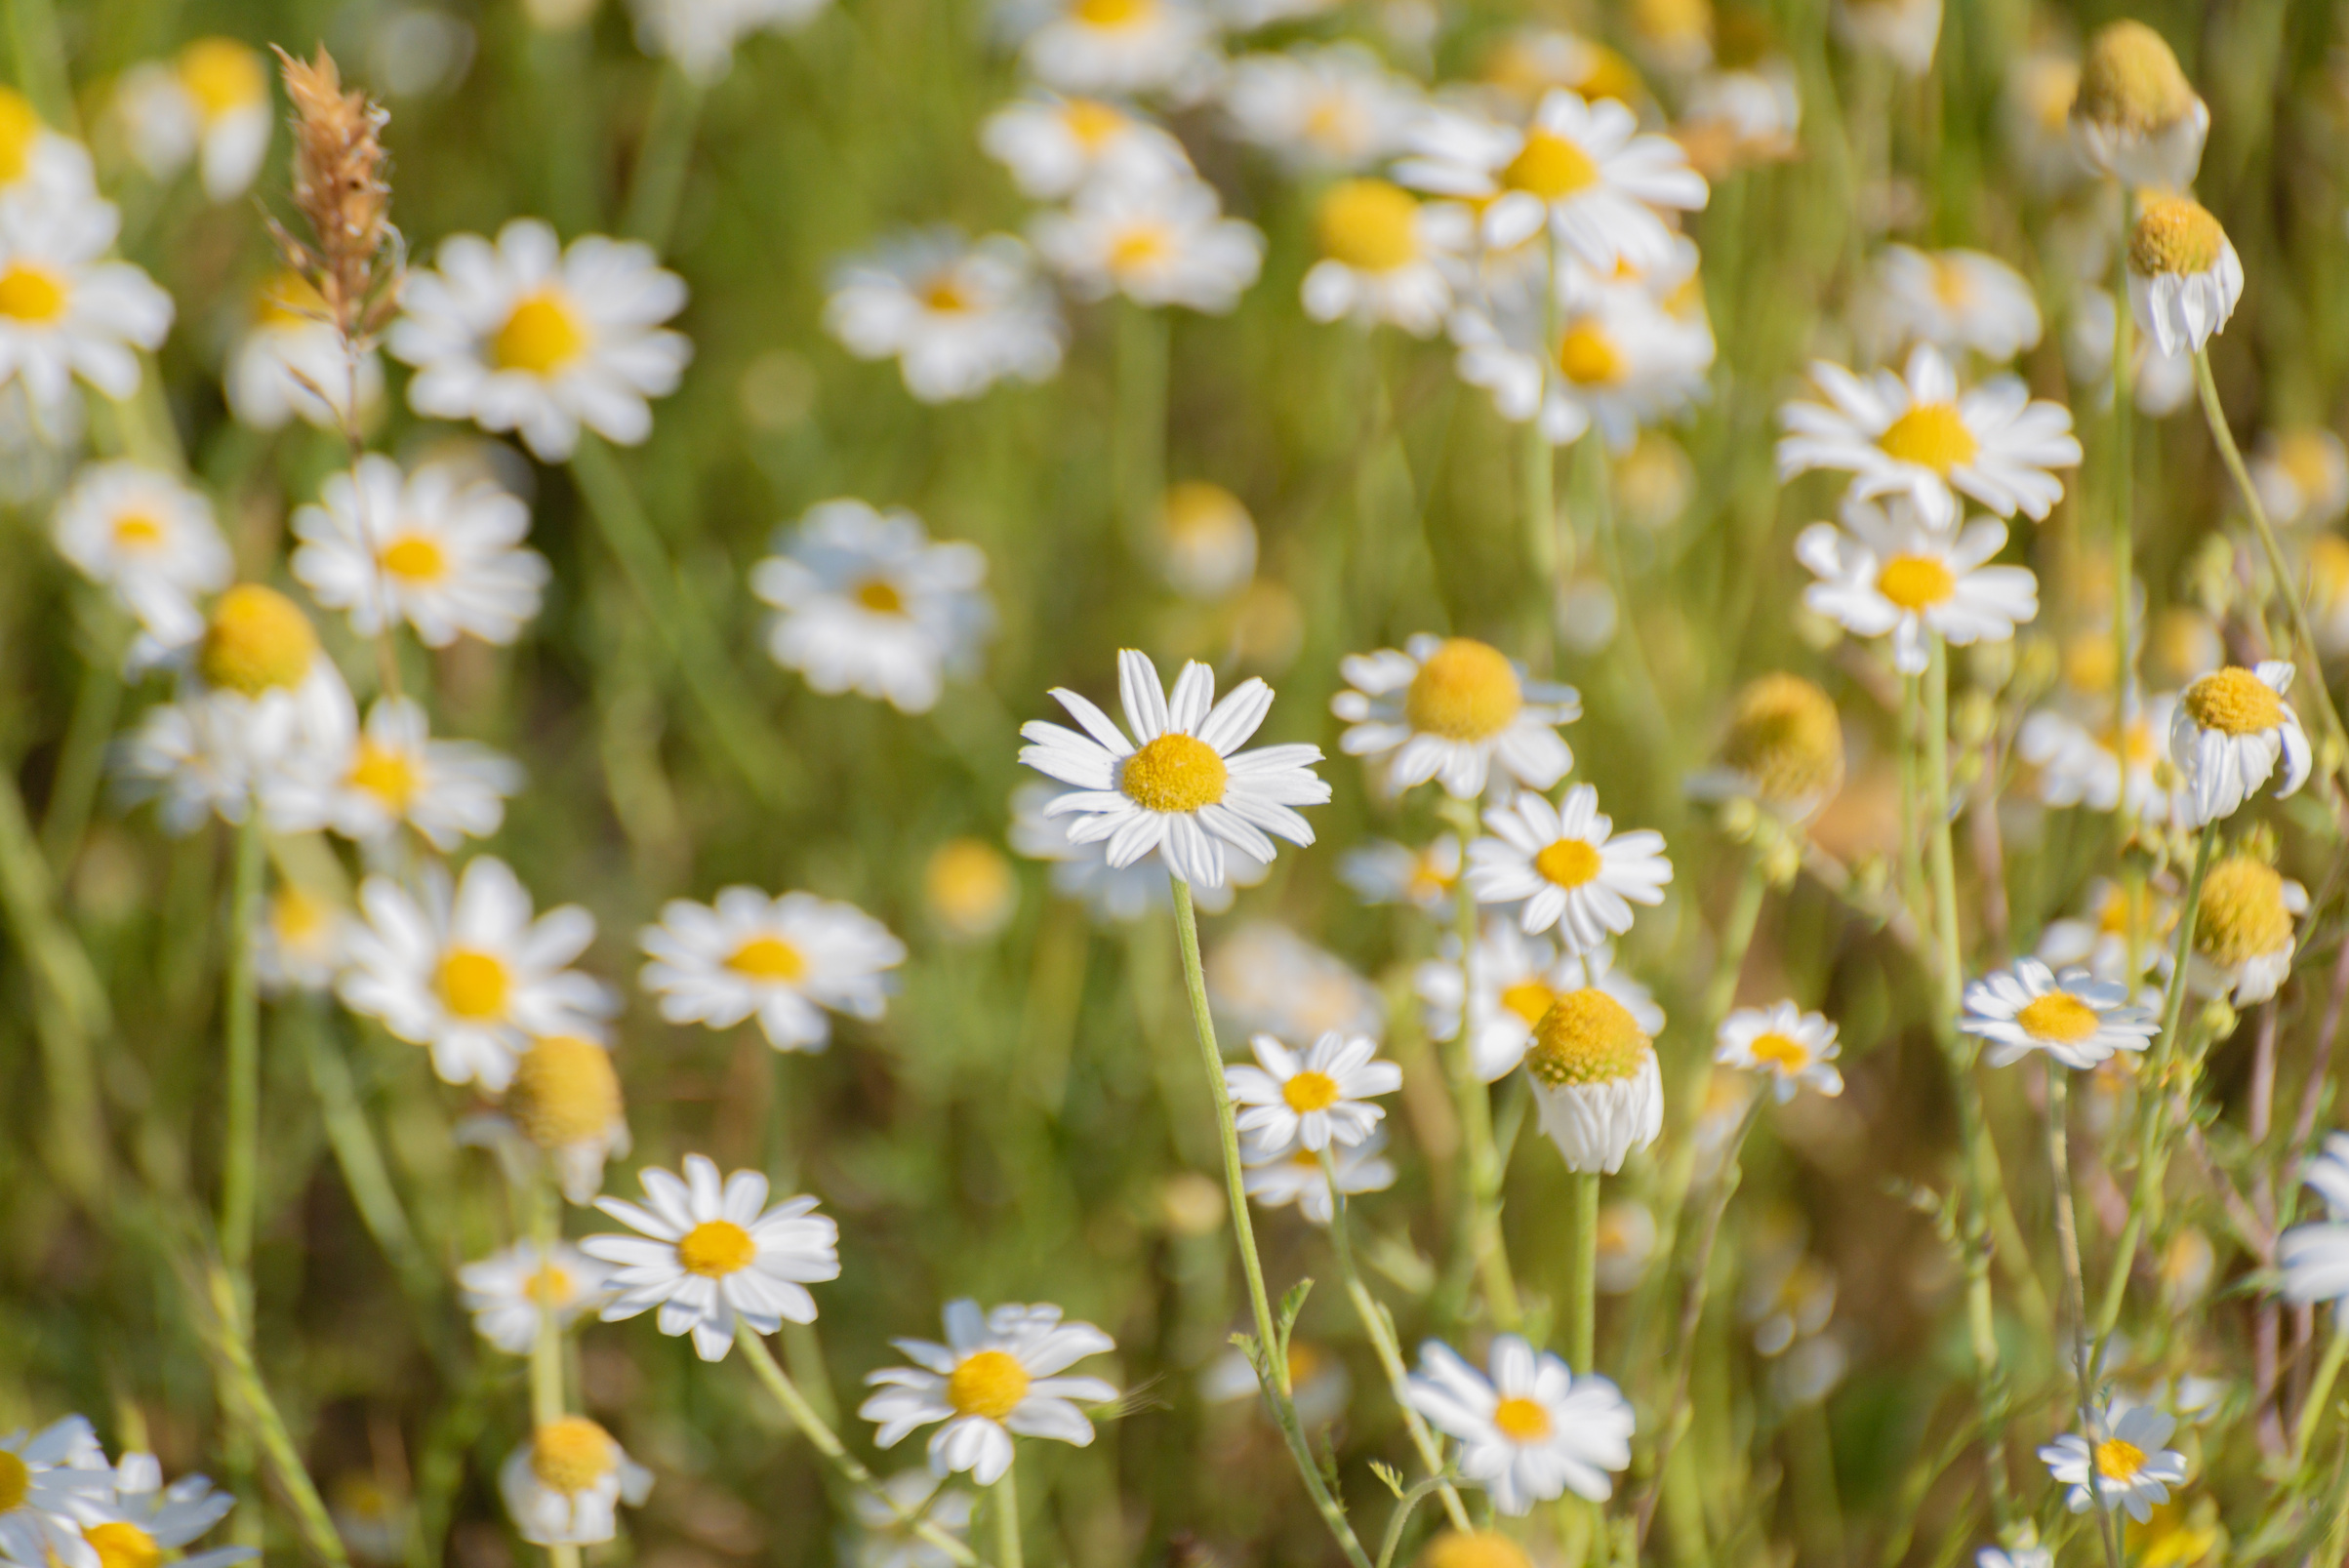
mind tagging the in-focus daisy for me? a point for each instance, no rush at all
(65, 311)
(564, 1486)
(1183, 789)
(1956, 300)
(1316, 1098)
(1386, 258)
(1278, 1176)
(2079, 765)
(786, 959)
(2244, 937)
(2132, 1471)
(1333, 108)
(56, 1481)
(1518, 979)
(995, 1376)
(1920, 435)
(1159, 243)
(565, 1101)
(1783, 747)
(149, 1520)
(468, 971)
(1567, 865)
(1595, 1081)
(2315, 1257)
(2233, 730)
(1532, 1429)
(870, 605)
(1117, 892)
(1904, 31)
(1121, 45)
(2077, 1019)
(440, 548)
(212, 103)
(1793, 1049)
(957, 317)
(2302, 476)
(150, 538)
(700, 35)
(1889, 570)
(885, 1537)
(291, 362)
(528, 336)
(393, 773)
(1383, 872)
(509, 1292)
(2136, 118)
(1054, 146)
(2184, 276)
(1454, 709)
(1206, 540)
(708, 1253)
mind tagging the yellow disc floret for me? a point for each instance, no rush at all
(2176, 235)
(388, 775)
(1783, 1051)
(1786, 738)
(988, 1384)
(542, 336)
(1522, 1420)
(1463, 690)
(768, 958)
(1550, 167)
(257, 640)
(564, 1092)
(473, 984)
(1931, 436)
(1310, 1091)
(1915, 582)
(120, 1544)
(1570, 863)
(2234, 702)
(2058, 1016)
(2117, 1460)
(715, 1248)
(1587, 1038)
(2242, 913)
(31, 295)
(222, 74)
(2131, 82)
(1369, 225)
(572, 1454)
(16, 1482)
(416, 557)
(1588, 357)
(1475, 1548)
(1528, 999)
(1175, 773)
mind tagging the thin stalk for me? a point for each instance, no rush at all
(82, 759)
(226, 1335)
(659, 182)
(70, 1014)
(1138, 453)
(2124, 483)
(240, 1160)
(1580, 1326)
(1541, 471)
(1478, 1148)
(546, 1403)
(2319, 1393)
(360, 1157)
(1007, 1516)
(2076, 1297)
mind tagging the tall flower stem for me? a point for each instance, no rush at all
(1006, 1505)
(82, 757)
(546, 1403)
(2125, 489)
(2320, 1391)
(659, 182)
(240, 1158)
(2076, 1299)
(1483, 1155)
(1541, 469)
(1579, 1329)
(70, 1014)
(1138, 453)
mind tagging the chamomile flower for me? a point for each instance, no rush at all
(707, 1254)
(1904, 31)
(2302, 476)
(564, 1485)
(957, 317)
(1594, 1080)
(1529, 1431)
(1315, 1098)
(2136, 118)
(211, 103)
(1383, 872)
(1918, 434)
(1533, 61)
(148, 1519)
(2025, 1557)
(393, 773)
(1116, 893)
(564, 1101)
(1627, 1240)
(58, 1478)
(1156, 242)
(1183, 789)
(1790, 1048)
(1331, 109)
(1055, 145)
(2184, 276)
(1206, 540)
(147, 537)
(885, 1539)
(1121, 45)
(1741, 117)
(2132, 1471)
(2034, 114)
(440, 548)
(467, 971)
(2232, 731)
(996, 1377)
(1783, 748)
(1567, 867)
(2079, 764)
(1956, 300)
(292, 363)
(509, 1292)
(297, 940)
(2098, 938)
(67, 311)
(2244, 937)
(39, 166)
(787, 960)
(1277, 1174)
(1455, 710)
(2078, 1020)
(1891, 570)
(2315, 1257)
(870, 605)
(700, 35)
(1386, 258)
(969, 889)
(1516, 980)
(1614, 357)
(525, 335)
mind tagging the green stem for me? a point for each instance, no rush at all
(360, 1158)
(659, 182)
(240, 1160)
(546, 1403)
(41, 70)
(1007, 1516)
(1138, 454)
(2067, 1236)
(71, 1012)
(228, 1336)
(1581, 1326)
(2124, 481)
(82, 759)
(2320, 1391)
(1478, 1147)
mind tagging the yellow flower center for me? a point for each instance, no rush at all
(1587, 1038)
(1550, 167)
(1108, 13)
(944, 295)
(1953, 284)
(2242, 913)
(1780, 1051)
(564, 1092)
(1143, 245)
(2177, 235)
(1463, 690)
(1785, 737)
(388, 775)
(1091, 122)
(2172, 1538)
(1520, 1420)
(257, 640)
(551, 1286)
(1570, 862)
(1369, 225)
(2130, 81)
(2234, 702)
(542, 336)
(16, 1482)
(1479, 1549)
(1915, 582)
(572, 1454)
(2118, 1461)
(1588, 357)
(296, 917)
(136, 533)
(988, 1384)
(416, 558)
(1932, 437)
(717, 1248)
(2058, 1016)
(880, 596)
(1175, 773)
(473, 984)
(969, 883)
(1528, 999)
(120, 1544)
(32, 295)
(19, 129)
(222, 74)
(768, 958)
(2090, 660)
(1310, 1091)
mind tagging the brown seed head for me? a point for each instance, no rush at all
(340, 190)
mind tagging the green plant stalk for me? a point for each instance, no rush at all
(1006, 1507)
(360, 1158)
(1402, 1520)
(41, 70)
(1478, 1151)
(1138, 450)
(82, 757)
(71, 1013)
(1580, 1325)
(1541, 472)
(546, 1404)
(2075, 1296)
(223, 1326)
(2124, 491)
(659, 182)
(2320, 1391)
(240, 1159)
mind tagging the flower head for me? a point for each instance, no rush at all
(509, 1292)
(2132, 1471)
(1595, 1081)
(2229, 734)
(998, 1376)
(563, 1486)
(292, 361)
(1163, 241)
(1892, 572)
(2184, 276)
(788, 961)
(53, 1482)
(957, 317)
(1278, 1175)
(439, 548)
(565, 1101)
(1956, 300)
(147, 537)
(1454, 709)
(148, 1519)
(210, 102)
(1791, 1049)
(2078, 1020)
(1567, 867)
(1530, 1430)
(1316, 1098)
(2137, 117)
(2244, 938)
(65, 311)
(1055, 145)
(1783, 746)
(1515, 979)
(1386, 258)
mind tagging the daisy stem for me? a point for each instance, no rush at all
(241, 1157)
(2067, 1237)
(1581, 1324)
(827, 1443)
(2125, 504)
(546, 1348)
(1006, 1502)
(82, 757)
(1484, 1171)
(222, 1323)
(2320, 1391)
(1541, 472)
(1137, 457)
(661, 159)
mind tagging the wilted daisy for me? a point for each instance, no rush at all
(1531, 1430)
(67, 311)
(57, 1479)
(1889, 571)
(996, 1377)
(2315, 1257)
(2230, 733)
(1315, 1098)
(870, 605)
(2079, 764)
(700, 35)
(957, 317)
(1453, 709)
(1278, 1176)
(1920, 435)
(565, 1484)
(1517, 978)
(1383, 872)
(440, 548)
(1120, 46)
(786, 959)
(2133, 1472)
(2077, 1019)
(393, 773)
(510, 1292)
(1118, 893)
(150, 538)
(708, 1253)
(1904, 31)
(2243, 936)
(1595, 1081)
(1206, 540)
(147, 1519)
(1054, 146)
(885, 1538)
(1567, 865)
(467, 971)
(528, 336)
(1783, 747)
(2137, 117)
(2302, 476)
(1184, 789)
(1163, 241)
(212, 103)
(565, 1100)
(292, 362)
(1791, 1048)
(2184, 276)
(1334, 107)
(1957, 301)
(1386, 258)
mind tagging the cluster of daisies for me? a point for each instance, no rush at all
(63, 1502)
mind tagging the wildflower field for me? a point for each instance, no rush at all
(1174, 781)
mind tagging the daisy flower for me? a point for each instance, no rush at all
(1383, 872)
(1123, 894)
(393, 773)
(148, 1519)
(2184, 276)
(2244, 938)
(1892, 570)
(1314, 1098)
(2230, 732)
(38, 166)
(291, 362)
(65, 311)
(2034, 115)
(706, 1254)
(1783, 747)
(2077, 1019)
(1904, 31)
(1614, 358)
(1386, 258)
(700, 35)
(1567, 867)
(1121, 45)
(1206, 540)
(1517, 979)
(467, 972)
(870, 605)
(211, 103)
(511, 1291)
(957, 317)
(1453, 709)
(1533, 61)
(57, 1479)
(969, 889)
(1956, 300)
(996, 1377)
(1741, 117)
(1791, 1048)
(564, 1101)
(2302, 476)
(2097, 940)
(147, 537)
(440, 548)
(1055, 145)
(1331, 109)
(2133, 1472)
(1532, 1429)
(1159, 243)
(2079, 765)
(527, 336)
(885, 1537)
(786, 960)
(2315, 1257)
(297, 940)
(563, 1487)
(1594, 1080)
(1278, 1176)
(2136, 116)
(1920, 435)
(2030, 1556)
(1582, 168)
(1183, 789)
